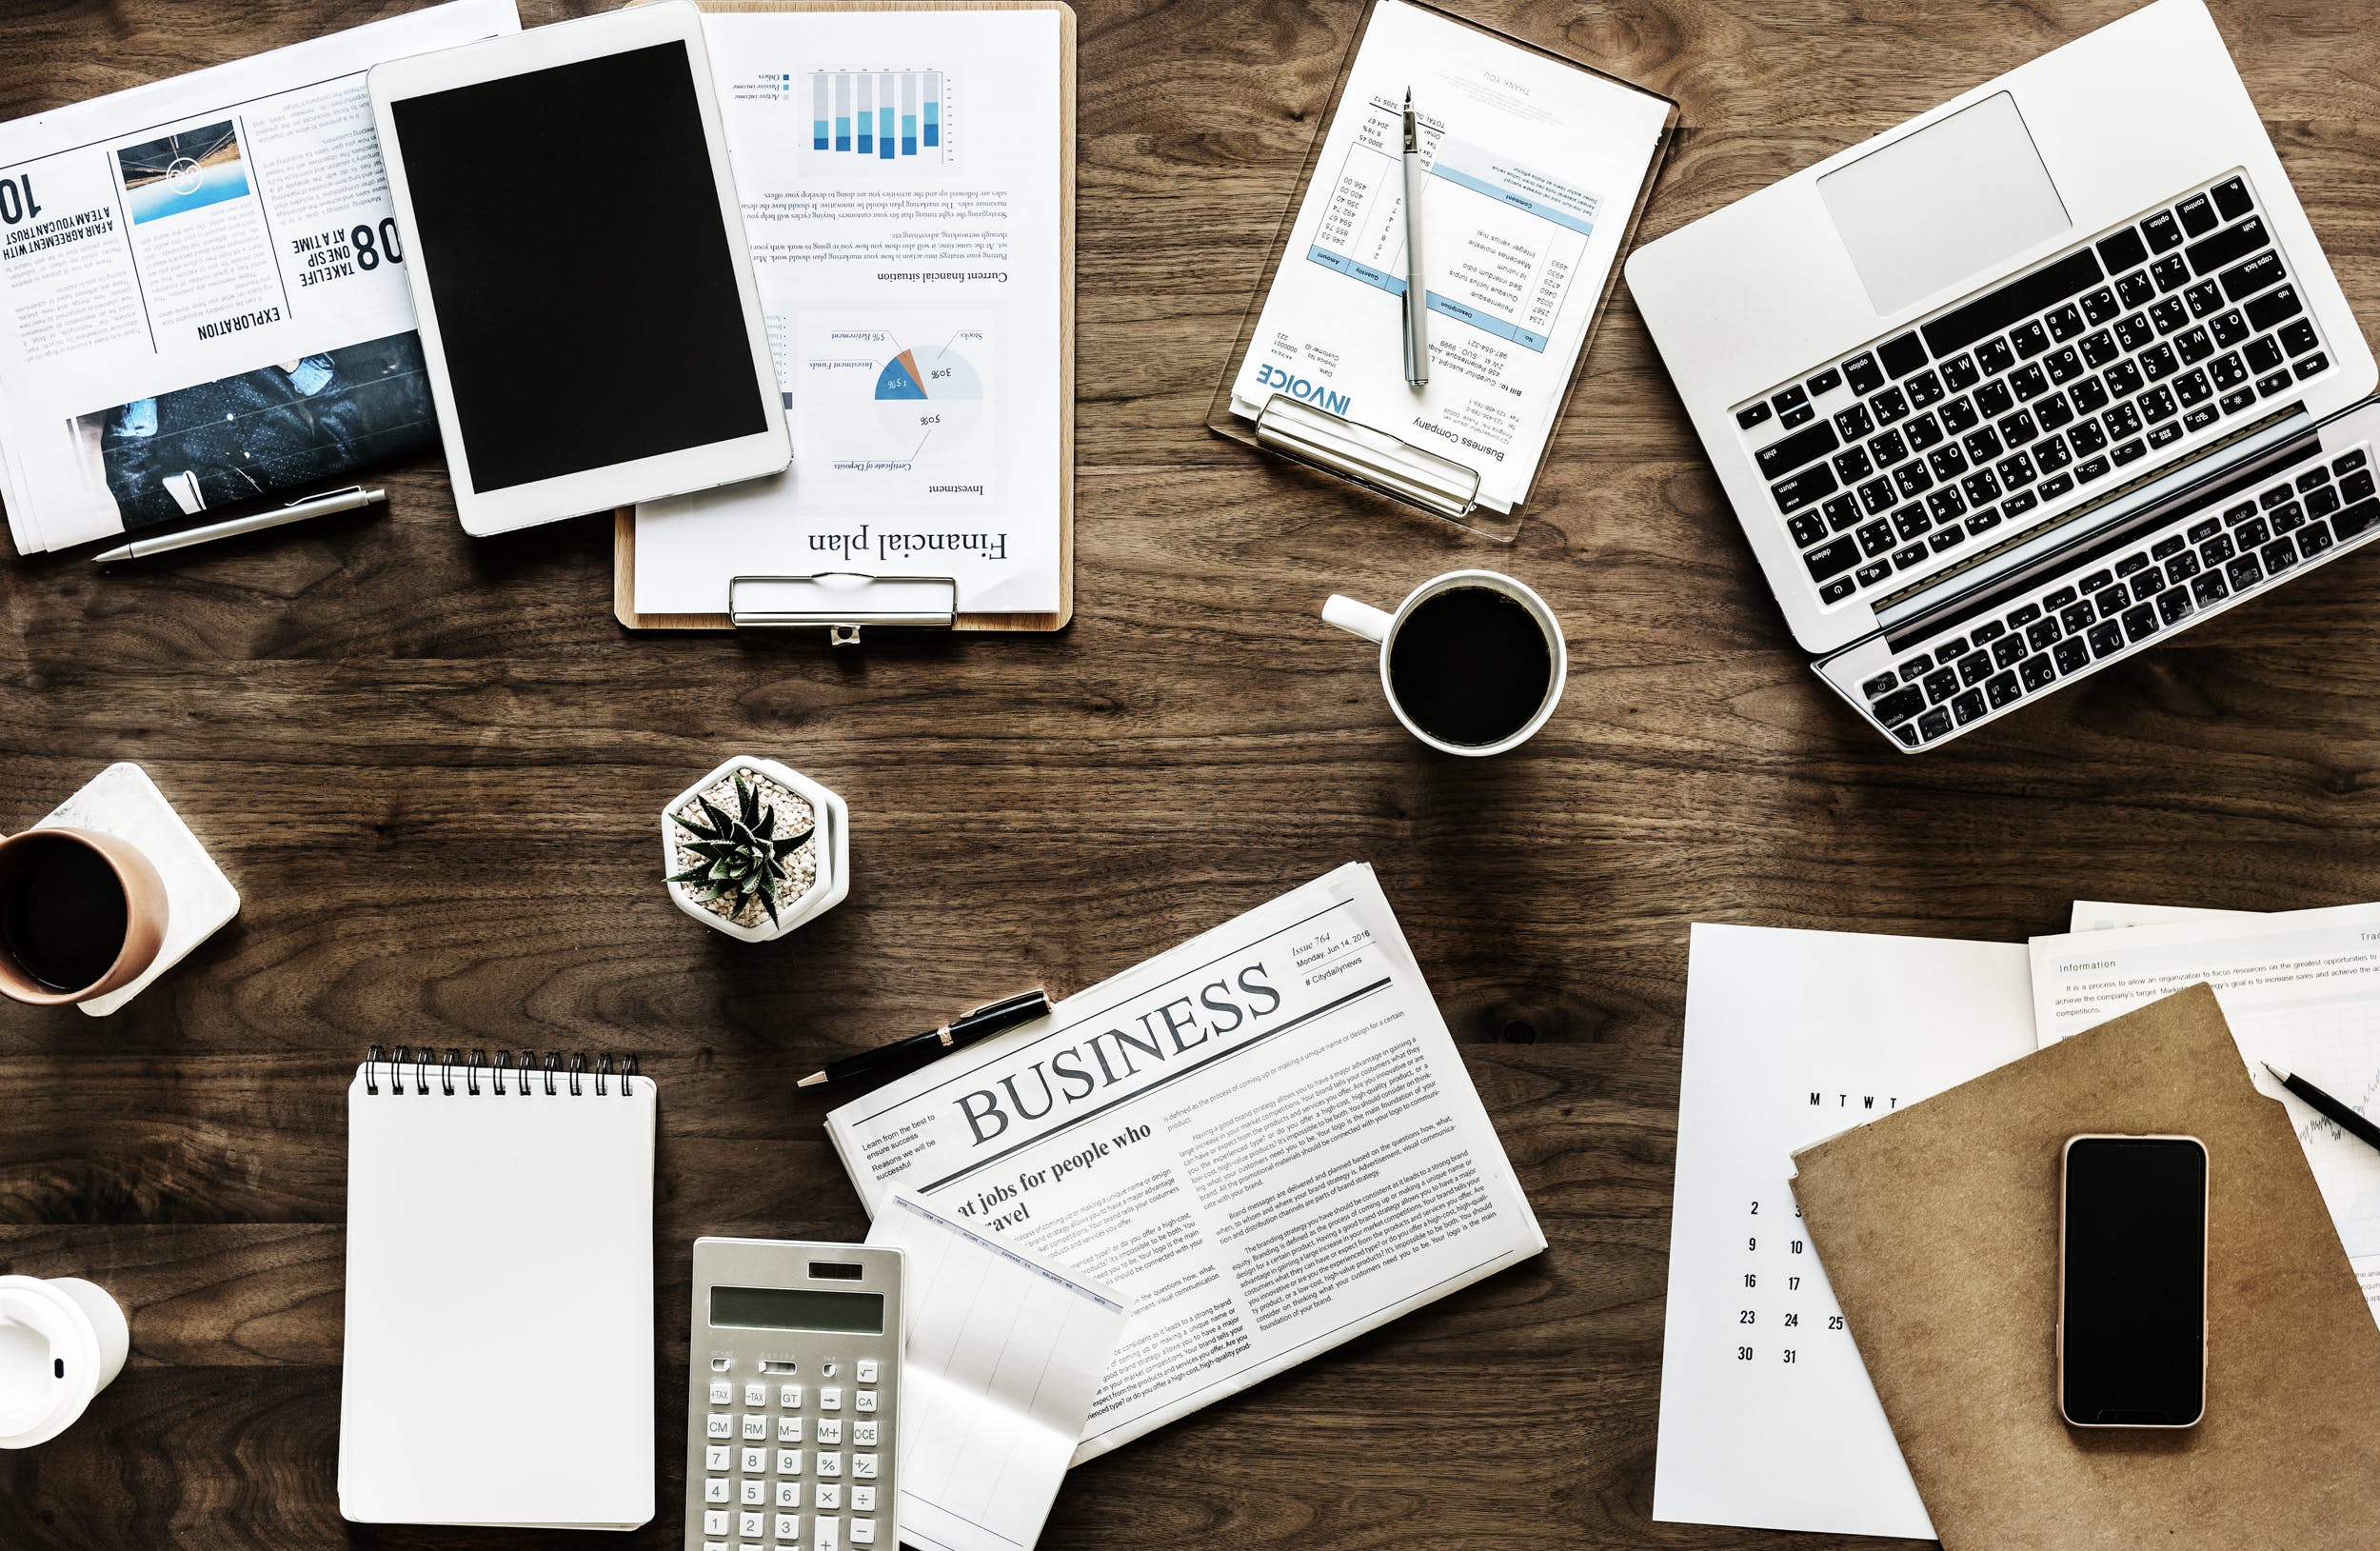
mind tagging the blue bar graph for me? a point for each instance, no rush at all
(882, 114)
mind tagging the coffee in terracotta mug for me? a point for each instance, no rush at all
(81, 914)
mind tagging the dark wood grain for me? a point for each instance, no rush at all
(433, 765)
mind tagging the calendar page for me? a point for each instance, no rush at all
(1767, 1416)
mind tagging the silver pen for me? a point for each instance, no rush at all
(1417, 300)
(296, 512)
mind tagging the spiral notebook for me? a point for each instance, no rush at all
(500, 1292)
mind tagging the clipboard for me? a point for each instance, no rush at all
(844, 602)
(1418, 477)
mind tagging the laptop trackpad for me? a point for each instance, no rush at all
(1936, 206)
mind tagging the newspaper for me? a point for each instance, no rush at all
(201, 293)
(1264, 1138)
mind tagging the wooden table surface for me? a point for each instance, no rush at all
(432, 766)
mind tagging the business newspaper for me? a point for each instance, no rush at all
(1264, 1137)
(201, 298)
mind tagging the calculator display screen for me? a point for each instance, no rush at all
(798, 1308)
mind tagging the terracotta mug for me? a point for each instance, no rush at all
(55, 910)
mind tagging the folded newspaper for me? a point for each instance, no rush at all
(1264, 1138)
(201, 298)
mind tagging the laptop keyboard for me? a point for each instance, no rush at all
(1886, 463)
(2155, 583)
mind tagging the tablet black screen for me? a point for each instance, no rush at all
(585, 285)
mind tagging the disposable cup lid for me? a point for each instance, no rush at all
(53, 1404)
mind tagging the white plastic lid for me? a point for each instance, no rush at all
(49, 1362)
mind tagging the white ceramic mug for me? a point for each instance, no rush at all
(62, 1341)
(1381, 627)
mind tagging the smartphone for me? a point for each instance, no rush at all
(2132, 1324)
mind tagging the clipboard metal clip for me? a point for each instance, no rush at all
(842, 601)
(1392, 467)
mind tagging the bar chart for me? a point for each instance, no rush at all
(882, 114)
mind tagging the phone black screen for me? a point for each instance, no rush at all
(2136, 1283)
(584, 284)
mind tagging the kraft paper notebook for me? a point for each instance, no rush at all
(500, 1292)
(1939, 1228)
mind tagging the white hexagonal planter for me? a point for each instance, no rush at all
(830, 845)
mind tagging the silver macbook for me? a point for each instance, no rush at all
(2027, 384)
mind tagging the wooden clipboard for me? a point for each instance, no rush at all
(623, 520)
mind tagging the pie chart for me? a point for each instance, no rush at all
(928, 398)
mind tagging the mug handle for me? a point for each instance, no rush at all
(1358, 618)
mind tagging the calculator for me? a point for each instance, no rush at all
(794, 1392)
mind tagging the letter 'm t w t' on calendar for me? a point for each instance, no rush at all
(1264, 1138)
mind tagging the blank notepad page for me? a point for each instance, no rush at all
(500, 1304)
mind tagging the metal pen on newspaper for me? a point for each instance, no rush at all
(296, 512)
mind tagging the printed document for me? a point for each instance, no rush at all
(1264, 1138)
(2300, 990)
(202, 292)
(900, 177)
(1534, 168)
(1767, 1416)
(1003, 1354)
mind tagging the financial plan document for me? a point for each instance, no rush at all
(901, 181)
(1534, 167)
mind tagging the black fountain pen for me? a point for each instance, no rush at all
(2339, 1114)
(966, 1028)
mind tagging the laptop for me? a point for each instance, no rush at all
(2029, 384)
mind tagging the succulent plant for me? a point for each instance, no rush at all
(739, 858)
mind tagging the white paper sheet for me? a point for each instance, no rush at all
(1767, 1416)
(1534, 166)
(914, 303)
(1002, 1353)
(2300, 990)
(1265, 1135)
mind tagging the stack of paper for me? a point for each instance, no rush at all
(1767, 1416)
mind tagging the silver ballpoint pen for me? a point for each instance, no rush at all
(296, 512)
(1417, 301)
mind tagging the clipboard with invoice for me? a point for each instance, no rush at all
(1536, 170)
(906, 171)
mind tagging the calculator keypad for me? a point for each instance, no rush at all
(764, 1473)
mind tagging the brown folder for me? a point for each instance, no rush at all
(1938, 1229)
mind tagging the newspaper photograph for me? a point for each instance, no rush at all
(1265, 1138)
(201, 298)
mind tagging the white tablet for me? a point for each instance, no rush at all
(575, 248)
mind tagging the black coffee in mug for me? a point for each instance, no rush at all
(63, 914)
(1471, 666)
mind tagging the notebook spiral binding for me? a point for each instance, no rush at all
(550, 1067)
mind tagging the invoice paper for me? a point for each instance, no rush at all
(1534, 166)
(202, 289)
(1003, 1351)
(1767, 1416)
(1265, 1137)
(901, 178)
(2300, 990)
